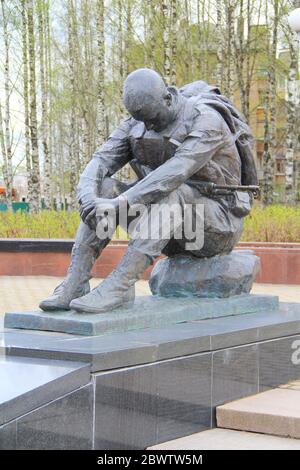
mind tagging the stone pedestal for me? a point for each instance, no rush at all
(147, 312)
(145, 387)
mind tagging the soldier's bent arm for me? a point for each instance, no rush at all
(108, 159)
(205, 139)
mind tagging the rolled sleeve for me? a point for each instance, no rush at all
(108, 159)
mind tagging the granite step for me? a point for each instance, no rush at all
(27, 383)
(227, 439)
(274, 412)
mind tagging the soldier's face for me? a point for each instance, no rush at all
(156, 115)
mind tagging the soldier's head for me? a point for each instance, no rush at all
(147, 99)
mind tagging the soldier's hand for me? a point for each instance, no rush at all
(104, 211)
(87, 205)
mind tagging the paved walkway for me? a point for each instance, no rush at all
(19, 293)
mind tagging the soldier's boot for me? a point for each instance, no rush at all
(76, 282)
(118, 288)
(87, 248)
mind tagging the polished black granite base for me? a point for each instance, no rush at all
(146, 387)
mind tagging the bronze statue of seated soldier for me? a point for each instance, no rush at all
(181, 143)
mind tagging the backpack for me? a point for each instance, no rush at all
(236, 122)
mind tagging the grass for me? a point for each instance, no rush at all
(44, 224)
(275, 223)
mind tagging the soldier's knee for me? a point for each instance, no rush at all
(183, 194)
(111, 188)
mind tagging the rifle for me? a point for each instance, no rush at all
(224, 190)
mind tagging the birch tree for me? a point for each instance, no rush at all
(220, 44)
(6, 137)
(272, 82)
(83, 71)
(174, 32)
(44, 105)
(165, 12)
(152, 40)
(267, 157)
(229, 52)
(26, 96)
(120, 55)
(35, 164)
(101, 131)
(186, 50)
(290, 193)
(72, 25)
(128, 59)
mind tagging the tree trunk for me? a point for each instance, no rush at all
(72, 45)
(35, 173)
(240, 55)
(3, 149)
(165, 11)
(220, 46)
(83, 81)
(44, 117)
(152, 40)
(207, 39)
(199, 39)
(174, 33)
(267, 157)
(26, 100)
(246, 51)
(272, 82)
(290, 190)
(229, 15)
(128, 40)
(7, 167)
(120, 40)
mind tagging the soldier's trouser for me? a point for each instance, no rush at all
(110, 188)
(222, 229)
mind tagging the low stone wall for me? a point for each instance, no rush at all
(29, 257)
(280, 262)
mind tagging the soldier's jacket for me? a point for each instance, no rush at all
(198, 146)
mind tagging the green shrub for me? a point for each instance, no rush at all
(44, 224)
(275, 223)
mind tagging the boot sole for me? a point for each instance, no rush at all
(53, 308)
(96, 310)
